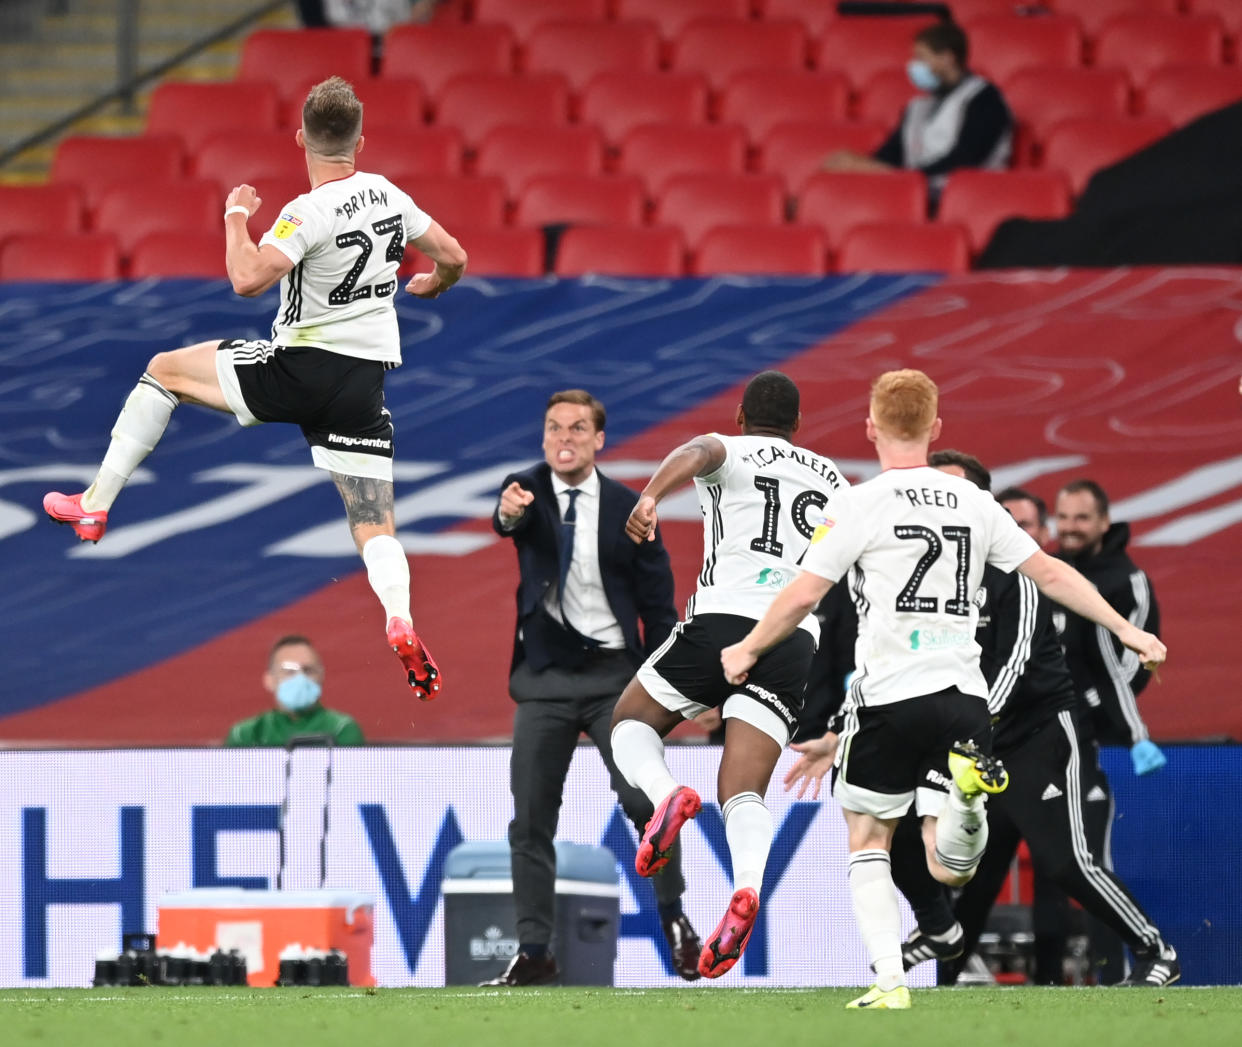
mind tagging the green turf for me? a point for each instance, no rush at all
(713, 1016)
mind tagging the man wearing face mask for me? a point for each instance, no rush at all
(960, 119)
(294, 677)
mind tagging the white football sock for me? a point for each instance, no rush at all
(638, 752)
(962, 831)
(748, 828)
(141, 423)
(877, 914)
(388, 571)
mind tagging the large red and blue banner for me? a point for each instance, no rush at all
(227, 538)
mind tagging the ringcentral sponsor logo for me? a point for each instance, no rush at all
(359, 441)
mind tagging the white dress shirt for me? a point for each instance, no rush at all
(585, 602)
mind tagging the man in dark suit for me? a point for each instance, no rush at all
(584, 590)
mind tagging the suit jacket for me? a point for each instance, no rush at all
(638, 581)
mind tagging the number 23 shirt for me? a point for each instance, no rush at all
(915, 542)
(346, 239)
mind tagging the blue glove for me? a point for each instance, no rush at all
(1147, 757)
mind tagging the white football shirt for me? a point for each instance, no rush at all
(917, 541)
(346, 239)
(760, 509)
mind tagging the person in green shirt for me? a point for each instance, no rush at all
(295, 678)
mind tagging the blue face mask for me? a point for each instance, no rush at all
(921, 76)
(298, 692)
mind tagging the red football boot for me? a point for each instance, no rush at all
(425, 677)
(677, 808)
(728, 941)
(67, 509)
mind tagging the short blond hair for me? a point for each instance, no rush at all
(332, 118)
(904, 403)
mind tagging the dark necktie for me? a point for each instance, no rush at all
(567, 543)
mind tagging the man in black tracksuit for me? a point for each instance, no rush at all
(1052, 769)
(1107, 678)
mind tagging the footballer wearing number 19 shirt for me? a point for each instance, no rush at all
(335, 250)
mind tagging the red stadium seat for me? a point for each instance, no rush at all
(95, 163)
(522, 16)
(980, 200)
(478, 104)
(179, 254)
(49, 209)
(672, 16)
(288, 58)
(1081, 147)
(862, 47)
(1041, 96)
(516, 153)
(1095, 14)
(778, 250)
(1144, 43)
(902, 247)
(813, 14)
(434, 54)
(459, 202)
(1185, 92)
(883, 98)
(967, 10)
(195, 111)
(250, 156)
(491, 252)
(421, 150)
(131, 211)
(60, 256)
(581, 200)
(580, 51)
(1000, 45)
(618, 102)
(719, 48)
(699, 202)
(613, 250)
(761, 98)
(386, 103)
(838, 201)
(797, 151)
(657, 152)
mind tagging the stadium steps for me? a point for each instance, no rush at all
(70, 59)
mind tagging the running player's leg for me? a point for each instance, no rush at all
(960, 833)
(876, 910)
(938, 935)
(639, 724)
(352, 438)
(183, 376)
(754, 739)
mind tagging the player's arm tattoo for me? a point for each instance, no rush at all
(367, 501)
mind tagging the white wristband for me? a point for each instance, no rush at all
(237, 209)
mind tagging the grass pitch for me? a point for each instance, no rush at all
(460, 1017)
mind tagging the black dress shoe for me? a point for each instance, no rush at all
(685, 946)
(523, 969)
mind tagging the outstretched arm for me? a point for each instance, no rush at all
(1060, 582)
(698, 457)
(792, 604)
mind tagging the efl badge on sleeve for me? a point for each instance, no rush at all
(822, 530)
(286, 226)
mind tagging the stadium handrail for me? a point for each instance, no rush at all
(126, 88)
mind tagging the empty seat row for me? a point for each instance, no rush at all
(717, 48)
(607, 250)
(524, 16)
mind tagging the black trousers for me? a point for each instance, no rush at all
(545, 735)
(1050, 778)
